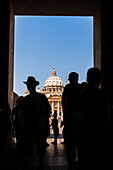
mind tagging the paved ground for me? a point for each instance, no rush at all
(55, 158)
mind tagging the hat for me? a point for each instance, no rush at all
(30, 80)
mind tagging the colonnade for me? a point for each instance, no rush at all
(58, 108)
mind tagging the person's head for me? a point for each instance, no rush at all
(94, 76)
(73, 77)
(31, 83)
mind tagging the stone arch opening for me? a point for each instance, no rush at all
(47, 8)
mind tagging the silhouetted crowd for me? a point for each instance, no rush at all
(86, 122)
(85, 112)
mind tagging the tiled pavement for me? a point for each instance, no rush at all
(55, 158)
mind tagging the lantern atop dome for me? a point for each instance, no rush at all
(53, 72)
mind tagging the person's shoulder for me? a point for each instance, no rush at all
(42, 96)
(79, 85)
(26, 98)
(66, 87)
(101, 92)
(35, 95)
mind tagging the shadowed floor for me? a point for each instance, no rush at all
(55, 158)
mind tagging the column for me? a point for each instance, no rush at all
(52, 108)
(4, 48)
(11, 58)
(7, 51)
(61, 112)
(58, 109)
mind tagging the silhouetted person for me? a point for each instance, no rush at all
(83, 86)
(62, 125)
(110, 116)
(5, 121)
(55, 128)
(36, 113)
(18, 122)
(70, 105)
(47, 126)
(92, 150)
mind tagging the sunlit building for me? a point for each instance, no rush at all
(53, 89)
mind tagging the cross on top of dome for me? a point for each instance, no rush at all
(53, 72)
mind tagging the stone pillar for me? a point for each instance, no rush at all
(4, 48)
(6, 56)
(97, 37)
(106, 36)
(7, 51)
(11, 58)
(52, 108)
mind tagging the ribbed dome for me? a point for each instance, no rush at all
(53, 80)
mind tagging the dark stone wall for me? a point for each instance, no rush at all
(4, 47)
(55, 7)
(105, 49)
(106, 44)
(68, 8)
(97, 36)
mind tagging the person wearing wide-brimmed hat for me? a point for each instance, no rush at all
(36, 112)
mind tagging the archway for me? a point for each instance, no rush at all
(69, 8)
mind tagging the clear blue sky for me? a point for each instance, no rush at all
(42, 43)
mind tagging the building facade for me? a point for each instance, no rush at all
(53, 89)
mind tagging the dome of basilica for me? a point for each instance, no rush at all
(53, 89)
(53, 80)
